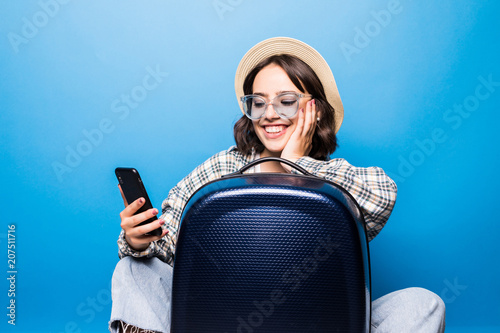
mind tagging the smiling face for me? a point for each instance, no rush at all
(273, 131)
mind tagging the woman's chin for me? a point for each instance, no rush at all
(272, 151)
(275, 146)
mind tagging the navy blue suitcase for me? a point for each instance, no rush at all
(271, 252)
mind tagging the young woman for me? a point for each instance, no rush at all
(292, 110)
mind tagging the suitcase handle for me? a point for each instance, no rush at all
(274, 159)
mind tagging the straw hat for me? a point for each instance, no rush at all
(285, 45)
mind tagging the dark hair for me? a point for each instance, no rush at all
(324, 140)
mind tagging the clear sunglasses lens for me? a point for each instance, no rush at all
(287, 105)
(254, 107)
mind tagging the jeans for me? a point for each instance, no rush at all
(141, 290)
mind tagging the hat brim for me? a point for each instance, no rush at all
(294, 47)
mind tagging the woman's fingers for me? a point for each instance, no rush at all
(310, 119)
(309, 126)
(140, 232)
(307, 119)
(300, 125)
(131, 221)
(132, 208)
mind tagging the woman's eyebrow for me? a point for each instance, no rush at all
(277, 93)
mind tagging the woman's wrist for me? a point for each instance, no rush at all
(136, 248)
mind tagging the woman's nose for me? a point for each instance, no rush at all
(270, 112)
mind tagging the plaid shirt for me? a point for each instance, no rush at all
(373, 190)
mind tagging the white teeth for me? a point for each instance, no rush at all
(274, 129)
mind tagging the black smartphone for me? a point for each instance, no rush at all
(133, 188)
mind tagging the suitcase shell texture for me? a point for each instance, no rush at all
(271, 253)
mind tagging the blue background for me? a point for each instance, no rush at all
(66, 67)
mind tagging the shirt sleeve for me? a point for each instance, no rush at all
(172, 207)
(372, 189)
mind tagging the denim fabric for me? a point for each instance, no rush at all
(141, 289)
(408, 310)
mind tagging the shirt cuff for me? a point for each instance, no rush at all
(126, 250)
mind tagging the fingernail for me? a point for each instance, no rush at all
(141, 200)
(161, 222)
(155, 211)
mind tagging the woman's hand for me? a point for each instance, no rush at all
(134, 234)
(300, 143)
